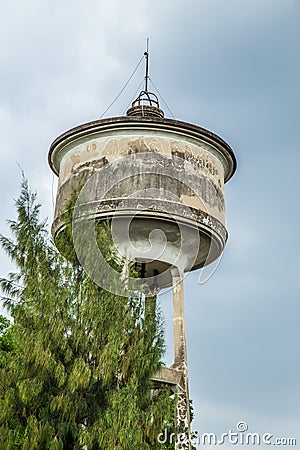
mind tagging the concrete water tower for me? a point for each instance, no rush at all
(160, 182)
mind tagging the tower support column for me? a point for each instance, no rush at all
(182, 412)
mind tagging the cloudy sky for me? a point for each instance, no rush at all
(232, 67)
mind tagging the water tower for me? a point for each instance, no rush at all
(160, 183)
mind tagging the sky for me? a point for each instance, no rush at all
(232, 67)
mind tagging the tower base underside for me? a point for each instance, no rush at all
(156, 244)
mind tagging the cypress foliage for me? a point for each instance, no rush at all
(77, 374)
(6, 343)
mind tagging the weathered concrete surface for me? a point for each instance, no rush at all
(158, 174)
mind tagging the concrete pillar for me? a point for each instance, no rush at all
(182, 413)
(180, 356)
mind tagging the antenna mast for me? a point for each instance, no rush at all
(146, 104)
(146, 54)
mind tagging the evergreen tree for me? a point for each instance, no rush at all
(6, 343)
(78, 375)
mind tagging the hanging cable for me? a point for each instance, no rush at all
(161, 98)
(123, 88)
(135, 94)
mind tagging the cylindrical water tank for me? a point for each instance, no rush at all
(159, 180)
